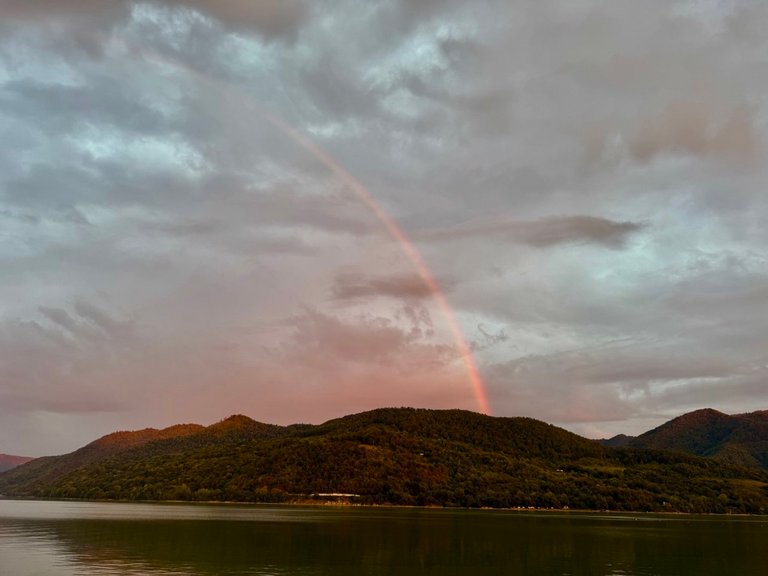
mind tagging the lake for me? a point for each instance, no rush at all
(40, 538)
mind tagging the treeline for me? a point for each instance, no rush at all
(409, 457)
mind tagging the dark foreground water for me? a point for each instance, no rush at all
(73, 538)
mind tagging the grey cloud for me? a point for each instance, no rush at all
(739, 393)
(337, 91)
(91, 324)
(554, 231)
(104, 101)
(219, 233)
(183, 229)
(547, 231)
(271, 18)
(332, 213)
(612, 383)
(20, 216)
(219, 201)
(85, 25)
(117, 329)
(61, 318)
(554, 400)
(84, 181)
(721, 310)
(44, 8)
(354, 286)
(281, 245)
(485, 109)
(632, 364)
(488, 339)
(75, 216)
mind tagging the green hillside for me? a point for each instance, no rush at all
(740, 439)
(398, 456)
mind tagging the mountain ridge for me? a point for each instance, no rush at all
(737, 439)
(392, 456)
(9, 461)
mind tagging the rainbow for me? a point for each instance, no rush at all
(394, 230)
(406, 245)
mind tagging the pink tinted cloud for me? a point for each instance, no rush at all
(698, 129)
(325, 366)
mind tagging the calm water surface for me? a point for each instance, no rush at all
(74, 538)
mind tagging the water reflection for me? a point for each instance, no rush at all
(67, 539)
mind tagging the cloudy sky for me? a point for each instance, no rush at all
(216, 207)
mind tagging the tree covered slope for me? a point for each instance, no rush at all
(394, 456)
(740, 439)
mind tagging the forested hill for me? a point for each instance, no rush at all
(49, 469)
(394, 456)
(7, 461)
(740, 439)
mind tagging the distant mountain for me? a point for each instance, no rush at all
(617, 441)
(740, 439)
(45, 470)
(7, 461)
(391, 456)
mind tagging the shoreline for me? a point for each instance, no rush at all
(331, 504)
